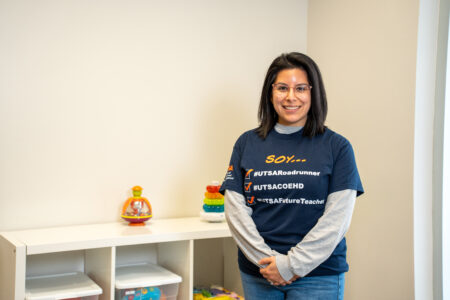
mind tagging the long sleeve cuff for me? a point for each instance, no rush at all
(284, 267)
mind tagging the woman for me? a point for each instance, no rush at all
(290, 190)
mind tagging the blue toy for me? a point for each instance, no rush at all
(150, 293)
(147, 293)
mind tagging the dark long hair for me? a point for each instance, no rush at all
(267, 116)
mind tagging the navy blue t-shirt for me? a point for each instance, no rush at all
(286, 179)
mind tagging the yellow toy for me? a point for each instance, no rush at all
(137, 209)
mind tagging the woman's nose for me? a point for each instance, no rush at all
(291, 94)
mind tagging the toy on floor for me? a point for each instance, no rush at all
(146, 293)
(137, 209)
(213, 208)
(216, 293)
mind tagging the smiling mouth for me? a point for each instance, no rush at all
(291, 107)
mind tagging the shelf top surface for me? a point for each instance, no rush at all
(79, 237)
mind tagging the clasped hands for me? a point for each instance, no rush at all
(270, 272)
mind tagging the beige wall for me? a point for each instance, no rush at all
(367, 53)
(99, 96)
(96, 97)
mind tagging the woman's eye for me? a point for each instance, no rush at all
(301, 88)
(282, 88)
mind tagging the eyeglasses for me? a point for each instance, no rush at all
(282, 90)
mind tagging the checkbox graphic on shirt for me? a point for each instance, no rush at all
(247, 174)
(247, 187)
(251, 200)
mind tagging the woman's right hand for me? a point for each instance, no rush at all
(270, 272)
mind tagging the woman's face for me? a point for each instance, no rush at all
(291, 97)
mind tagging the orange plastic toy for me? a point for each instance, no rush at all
(137, 209)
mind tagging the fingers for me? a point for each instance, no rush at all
(279, 283)
(274, 279)
(265, 261)
(271, 273)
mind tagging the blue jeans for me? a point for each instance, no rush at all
(306, 288)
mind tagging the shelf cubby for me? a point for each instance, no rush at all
(182, 245)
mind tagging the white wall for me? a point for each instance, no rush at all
(423, 145)
(446, 188)
(367, 53)
(430, 175)
(99, 96)
(438, 27)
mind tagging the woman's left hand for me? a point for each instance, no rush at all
(270, 272)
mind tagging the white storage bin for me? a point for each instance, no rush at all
(74, 286)
(146, 282)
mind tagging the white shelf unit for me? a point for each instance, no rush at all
(201, 253)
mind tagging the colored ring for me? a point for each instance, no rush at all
(213, 188)
(208, 201)
(213, 208)
(213, 195)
